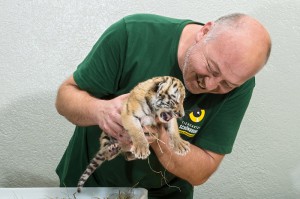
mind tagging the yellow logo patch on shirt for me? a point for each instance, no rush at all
(197, 116)
(189, 129)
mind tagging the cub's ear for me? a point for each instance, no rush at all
(159, 87)
(156, 87)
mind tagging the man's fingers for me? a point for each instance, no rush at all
(124, 96)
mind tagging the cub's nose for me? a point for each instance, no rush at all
(179, 114)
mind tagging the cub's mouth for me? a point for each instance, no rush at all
(166, 116)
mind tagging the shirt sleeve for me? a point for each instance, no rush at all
(99, 72)
(220, 131)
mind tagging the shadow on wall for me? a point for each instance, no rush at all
(25, 178)
(33, 138)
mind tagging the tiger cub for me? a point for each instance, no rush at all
(155, 101)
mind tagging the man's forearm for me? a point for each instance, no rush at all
(195, 167)
(76, 105)
(82, 109)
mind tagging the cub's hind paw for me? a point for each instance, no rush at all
(112, 151)
(114, 148)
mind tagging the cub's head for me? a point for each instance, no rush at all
(168, 102)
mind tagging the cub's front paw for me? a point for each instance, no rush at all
(181, 147)
(140, 151)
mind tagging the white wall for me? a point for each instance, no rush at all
(42, 42)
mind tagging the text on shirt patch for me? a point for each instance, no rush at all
(189, 129)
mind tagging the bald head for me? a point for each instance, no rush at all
(247, 35)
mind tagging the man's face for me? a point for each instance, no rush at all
(214, 67)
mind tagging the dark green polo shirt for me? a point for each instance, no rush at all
(134, 49)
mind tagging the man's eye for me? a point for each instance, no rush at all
(214, 73)
(208, 68)
(226, 85)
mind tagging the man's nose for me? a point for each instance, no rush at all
(212, 83)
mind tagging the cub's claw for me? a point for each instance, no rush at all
(140, 152)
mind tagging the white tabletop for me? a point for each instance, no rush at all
(67, 193)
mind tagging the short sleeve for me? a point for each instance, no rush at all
(220, 131)
(99, 72)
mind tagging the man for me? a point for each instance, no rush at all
(216, 61)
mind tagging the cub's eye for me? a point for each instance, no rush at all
(172, 103)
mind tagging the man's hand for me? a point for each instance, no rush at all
(83, 109)
(109, 118)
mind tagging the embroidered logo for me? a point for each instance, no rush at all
(197, 116)
(187, 128)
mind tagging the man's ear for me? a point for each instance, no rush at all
(204, 30)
